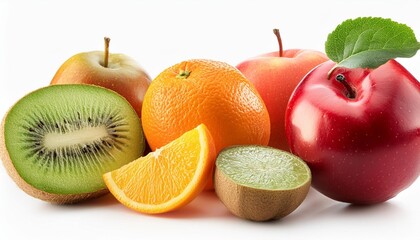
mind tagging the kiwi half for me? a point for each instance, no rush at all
(58, 141)
(260, 183)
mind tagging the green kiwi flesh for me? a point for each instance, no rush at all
(260, 183)
(58, 141)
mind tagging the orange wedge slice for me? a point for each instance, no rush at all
(168, 178)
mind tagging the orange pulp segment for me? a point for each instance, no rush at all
(168, 178)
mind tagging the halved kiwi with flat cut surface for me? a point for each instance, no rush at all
(58, 141)
(260, 183)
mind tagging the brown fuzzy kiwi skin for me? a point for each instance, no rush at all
(34, 192)
(258, 204)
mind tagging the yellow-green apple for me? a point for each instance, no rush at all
(115, 71)
(276, 75)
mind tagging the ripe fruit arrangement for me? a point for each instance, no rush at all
(351, 124)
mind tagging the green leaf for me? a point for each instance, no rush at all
(369, 42)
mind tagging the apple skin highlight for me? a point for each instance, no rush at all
(361, 150)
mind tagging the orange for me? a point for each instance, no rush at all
(168, 178)
(209, 92)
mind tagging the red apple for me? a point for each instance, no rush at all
(117, 72)
(358, 130)
(275, 75)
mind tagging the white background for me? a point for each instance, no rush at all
(36, 37)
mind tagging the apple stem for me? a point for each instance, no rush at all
(277, 33)
(350, 91)
(106, 55)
